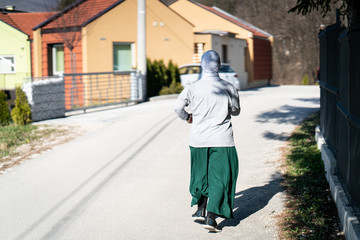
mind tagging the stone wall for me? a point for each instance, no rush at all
(46, 98)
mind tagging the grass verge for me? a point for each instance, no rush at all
(12, 137)
(310, 211)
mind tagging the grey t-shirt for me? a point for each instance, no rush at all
(212, 101)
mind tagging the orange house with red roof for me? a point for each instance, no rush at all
(99, 36)
(102, 37)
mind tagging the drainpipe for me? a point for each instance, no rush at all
(141, 48)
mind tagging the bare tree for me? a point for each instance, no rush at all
(68, 26)
(349, 8)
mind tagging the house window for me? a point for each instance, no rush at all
(224, 53)
(7, 64)
(122, 55)
(198, 51)
(199, 48)
(56, 59)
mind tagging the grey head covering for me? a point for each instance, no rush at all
(210, 62)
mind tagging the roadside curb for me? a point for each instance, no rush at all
(162, 97)
(349, 222)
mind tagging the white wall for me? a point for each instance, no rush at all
(236, 55)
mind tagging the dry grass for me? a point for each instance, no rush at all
(18, 143)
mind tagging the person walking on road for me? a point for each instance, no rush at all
(214, 161)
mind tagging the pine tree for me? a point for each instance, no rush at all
(4, 110)
(21, 114)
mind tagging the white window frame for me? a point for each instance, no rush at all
(53, 49)
(3, 58)
(132, 49)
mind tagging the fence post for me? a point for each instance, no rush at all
(134, 86)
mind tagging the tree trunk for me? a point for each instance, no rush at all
(74, 95)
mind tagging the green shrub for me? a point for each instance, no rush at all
(162, 79)
(174, 88)
(4, 110)
(153, 82)
(21, 113)
(173, 72)
(305, 80)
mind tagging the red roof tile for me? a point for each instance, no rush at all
(79, 14)
(26, 21)
(6, 18)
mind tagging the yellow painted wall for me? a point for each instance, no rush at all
(37, 53)
(206, 20)
(169, 36)
(117, 25)
(14, 43)
(204, 38)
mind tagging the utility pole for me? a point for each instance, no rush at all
(141, 47)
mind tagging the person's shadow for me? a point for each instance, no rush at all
(251, 200)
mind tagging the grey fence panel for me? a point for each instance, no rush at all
(322, 82)
(329, 56)
(343, 141)
(354, 109)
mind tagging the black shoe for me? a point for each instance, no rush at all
(211, 225)
(199, 215)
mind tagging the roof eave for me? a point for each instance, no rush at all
(168, 4)
(55, 16)
(101, 13)
(249, 25)
(15, 28)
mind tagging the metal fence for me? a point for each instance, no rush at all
(88, 90)
(340, 102)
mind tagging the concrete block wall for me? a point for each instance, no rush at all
(349, 222)
(46, 98)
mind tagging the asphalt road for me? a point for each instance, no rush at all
(128, 176)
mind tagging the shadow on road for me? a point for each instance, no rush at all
(276, 136)
(311, 100)
(286, 114)
(251, 200)
(255, 89)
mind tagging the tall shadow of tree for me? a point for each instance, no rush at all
(252, 200)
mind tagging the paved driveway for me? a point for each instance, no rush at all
(127, 178)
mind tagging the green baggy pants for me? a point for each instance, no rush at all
(214, 172)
